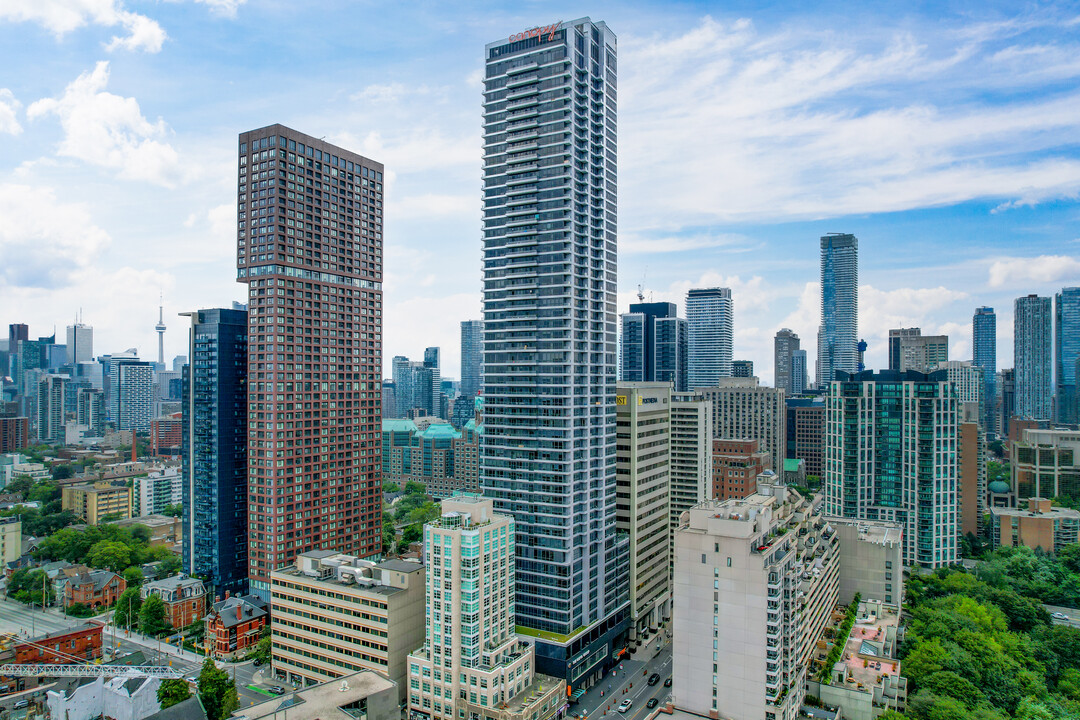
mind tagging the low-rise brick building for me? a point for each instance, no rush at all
(97, 588)
(61, 648)
(234, 625)
(736, 465)
(184, 597)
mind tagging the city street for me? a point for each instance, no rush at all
(1072, 613)
(632, 677)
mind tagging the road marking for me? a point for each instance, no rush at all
(260, 690)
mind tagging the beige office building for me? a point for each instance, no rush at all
(470, 663)
(336, 614)
(871, 560)
(642, 507)
(94, 502)
(755, 583)
(10, 539)
(691, 454)
(741, 408)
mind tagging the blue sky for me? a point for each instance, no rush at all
(946, 136)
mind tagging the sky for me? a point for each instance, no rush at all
(945, 136)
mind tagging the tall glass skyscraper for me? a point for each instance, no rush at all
(785, 345)
(1067, 352)
(548, 452)
(711, 324)
(1031, 355)
(472, 349)
(984, 355)
(838, 334)
(214, 452)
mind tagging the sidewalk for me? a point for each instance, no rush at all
(153, 645)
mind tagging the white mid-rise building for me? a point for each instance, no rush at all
(756, 580)
(157, 490)
(742, 408)
(643, 465)
(691, 453)
(472, 664)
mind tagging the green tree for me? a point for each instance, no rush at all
(152, 619)
(390, 486)
(128, 605)
(388, 531)
(217, 691)
(30, 587)
(415, 488)
(172, 691)
(411, 534)
(262, 650)
(133, 577)
(62, 472)
(110, 554)
(176, 510)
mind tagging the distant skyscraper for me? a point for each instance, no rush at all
(984, 355)
(785, 345)
(472, 357)
(472, 370)
(799, 376)
(434, 368)
(1032, 339)
(135, 398)
(111, 379)
(313, 394)
(654, 344)
(1007, 393)
(417, 390)
(90, 410)
(50, 408)
(1067, 352)
(548, 452)
(215, 450)
(742, 368)
(80, 343)
(710, 319)
(895, 337)
(839, 331)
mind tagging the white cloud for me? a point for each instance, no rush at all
(43, 241)
(643, 243)
(1042, 269)
(747, 126)
(9, 107)
(62, 16)
(110, 131)
(224, 8)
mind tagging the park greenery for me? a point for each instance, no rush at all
(153, 619)
(983, 647)
(109, 547)
(409, 513)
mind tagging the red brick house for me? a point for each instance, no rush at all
(65, 647)
(97, 588)
(184, 597)
(234, 625)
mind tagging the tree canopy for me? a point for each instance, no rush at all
(217, 691)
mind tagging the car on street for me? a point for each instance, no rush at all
(1059, 616)
(192, 679)
(277, 690)
(625, 705)
(667, 683)
(653, 702)
(654, 678)
(20, 704)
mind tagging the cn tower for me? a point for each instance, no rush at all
(160, 327)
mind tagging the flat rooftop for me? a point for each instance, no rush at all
(327, 701)
(866, 645)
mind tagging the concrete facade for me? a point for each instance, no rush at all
(1046, 463)
(871, 560)
(336, 614)
(691, 455)
(94, 502)
(1038, 526)
(755, 582)
(643, 473)
(744, 409)
(364, 694)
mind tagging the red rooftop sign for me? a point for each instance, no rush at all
(550, 30)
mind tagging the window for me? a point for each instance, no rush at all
(702, 558)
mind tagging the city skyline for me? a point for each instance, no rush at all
(963, 237)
